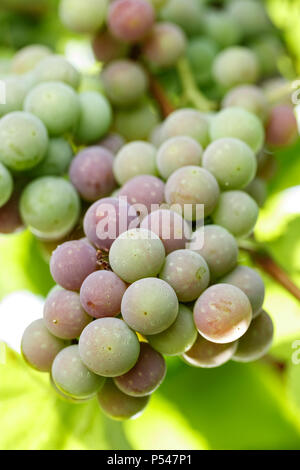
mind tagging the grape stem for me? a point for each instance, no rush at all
(158, 93)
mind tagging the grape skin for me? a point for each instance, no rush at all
(257, 341)
(222, 28)
(57, 160)
(250, 15)
(187, 272)
(201, 52)
(6, 185)
(165, 44)
(72, 262)
(28, 57)
(206, 354)
(188, 15)
(95, 117)
(149, 306)
(135, 158)
(258, 190)
(91, 172)
(101, 294)
(146, 376)
(235, 66)
(107, 48)
(282, 127)
(187, 122)
(145, 190)
(130, 20)
(179, 337)
(249, 97)
(223, 313)
(137, 122)
(108, 347)
(39, 347)
(119, 406)
(72, 377)
(81, 17)
(176, 153)
(56, 68)
(15, 92)
(10, 218)
(113, 142)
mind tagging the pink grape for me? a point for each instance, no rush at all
(146, 190)
(282, 127)
(164, 45)
(208, 355)
(113, 143)
(130, 20)
(107, 48)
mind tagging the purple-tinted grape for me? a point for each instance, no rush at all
(150, 306)
(218, 247)
(144, 192)
(222, 313)
(282, 127)
(130, 20)
(208, 355)
(107, 48)
(187, 272)
(170, 227)
(64, 315)
(179, 337)
(251, 283)
(72, 262)
(176, 153)
(10, 218)
(258, 190)
(72, 377)
(146, 376)
(134, 159)
(187, 122)
(113, 143)
(119, 406)
(137, 254)
(164, 45)
(108, 347)
(257, 341)
(101, 294)
(106, 219)
(193, 189)
(39, 347)
(250, 97)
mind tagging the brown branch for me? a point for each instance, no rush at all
(158, 93)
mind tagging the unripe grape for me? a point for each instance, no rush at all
(135, 158)
(144, 190)
(176, 153)
(164, 45)
(83, 17)
(258, 190)
(113, 142)
(57, 159)
(249, 97)
(6, 185)
(56, 68)
(137, 122)
(282, 127)
(208, 355)
(187, 122)
(130, 20)
(235, 66)
(15, 92)
(107, 48)
(95, 117)
(28, 57)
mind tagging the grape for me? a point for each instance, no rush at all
(178, 152)
(50, 207)
(250, 15)
(57, 160)
(222, 28)
(108, 347)
(201, 52)
(83, 17)
(251, 283)
(257, 341)
(190, 187)
(144, 190)
(267, 166)
(101, 294)
(187, 14)
(235, 66)
(28, 57)
(257, 189)
(136, 254)
(136, 123)
(282, 127)
(164, 45)
(179, 337)
(170, 227)
(249, 97)
(23, 141)
(187, 272)
(146, 376)
(135, 158)
(119, 406)
(237, 212)
(15, 92)
(72, 262)
(107, 48)
(10, 219)
(91, 172)
(72, 377)
(63, 314)
(218, 247)
(39, 346)
(56, 105)
(130, 20)
(223, 313)
(95, 117)
(238, 123)
(232, 162)
(150, 306)
(124, 81)
(188, 122)
(208, 355)
(6, 185)
(113, 143)
(68, 398)
(156, 136)
(106, 219)
(56, 68)
(268, 50)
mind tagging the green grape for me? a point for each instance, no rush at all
(136, 123)
(257, 341)
(165, 45)
(250, 15)
(28, 57)
(258, 190)
(119, 406)
(57, 160)
(56, 68)
(235, 66)
(134, 159)
(178, 152)
(268, 50)
(237, 212)
(208, 355)
(249, 97)
(222, 27)
(108, 347)
(95, 117)
(15, 92)
(83, 17)
(201, 52)
(149, 306)
(188, 122)
(232, 162)
(56, 105)
(50, 207)
(187, 14)
(179, 337)
(6, 185)
(23, 141)
(239, 123)
(136, 254)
